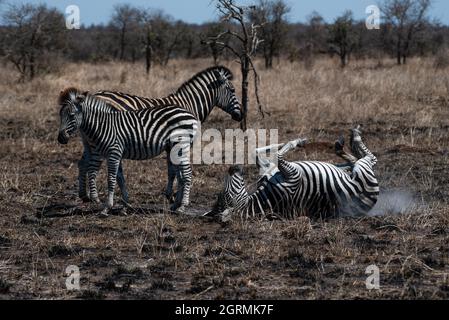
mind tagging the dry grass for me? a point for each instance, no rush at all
(405, 114)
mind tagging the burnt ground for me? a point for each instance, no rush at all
(152, 254)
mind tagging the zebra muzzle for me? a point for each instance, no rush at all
(63, 137)
(237, 115)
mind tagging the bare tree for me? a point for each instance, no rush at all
(34, 35)
(125, 18)
(406, 18)
(212, 42)
(342, 37)
(271, 16)
(146, 20)
(242, 40)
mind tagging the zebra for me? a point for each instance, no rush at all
(199, 95)
(136, 135)
(311, 188)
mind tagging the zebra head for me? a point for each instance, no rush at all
(226, 98)
(234, 196)
(70, 114)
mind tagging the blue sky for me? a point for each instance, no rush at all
(197, 11)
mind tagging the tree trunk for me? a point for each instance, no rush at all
(398, 52)
(148, 56)
(343, 56)
(343, 60)
(189, 50)
(122, 43)
(268, 55)
(245, 99)
(32, 68)
(215, 53)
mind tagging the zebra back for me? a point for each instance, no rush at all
(196, 95)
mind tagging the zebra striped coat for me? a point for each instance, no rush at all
(199, 95)
(135, 135)
(304, 188)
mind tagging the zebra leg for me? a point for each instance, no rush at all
(185, 184)
(264, 163)
(94, 166)
(286, 168)
(184, 175)
(172, 171)
(83, 165)
(291, 145)
(339, 151)
(113, 166)
(359, 148)
(122, 184)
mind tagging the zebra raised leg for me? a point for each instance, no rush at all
(363, 171)
(267, 164)
(359, 148)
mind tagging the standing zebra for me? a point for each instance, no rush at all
(137, 135)
(306, 187)
(199, 95)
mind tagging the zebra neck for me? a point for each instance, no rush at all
(96, 115)
(199, 101)
(247, 204)
(258, 204)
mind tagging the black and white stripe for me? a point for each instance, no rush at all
(139, 135)
(199, 95)
(310, 188)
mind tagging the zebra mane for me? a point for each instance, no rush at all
(68, 94)
(227, 73)
(72, 94)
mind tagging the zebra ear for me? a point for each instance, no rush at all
(80, 98)
(220, 79)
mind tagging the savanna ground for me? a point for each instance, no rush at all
(152, 254)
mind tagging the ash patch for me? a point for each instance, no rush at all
(394, 202)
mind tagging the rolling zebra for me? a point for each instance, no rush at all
(312, 188)
(137, 135)
(199, 95)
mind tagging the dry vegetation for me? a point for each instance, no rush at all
(152, 254)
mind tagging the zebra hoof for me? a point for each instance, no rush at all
(225, 216)
(104, 213)
(178, 210)
(170, 197)
(299, 143)
(85, 199)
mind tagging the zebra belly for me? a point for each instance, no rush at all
(143, 151)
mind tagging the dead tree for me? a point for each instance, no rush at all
(241, 39)
(271, 16)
